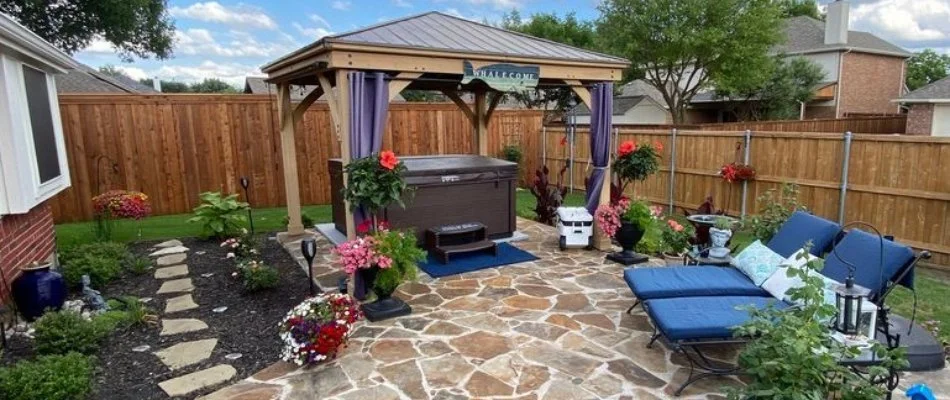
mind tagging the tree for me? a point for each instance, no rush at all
(212, 85)
(568, 30)
(168, 86)
(113, 71)
(681, 46)
(789, 82)
(795, 8)
(139, 28)
(926, 67)
(419, 96)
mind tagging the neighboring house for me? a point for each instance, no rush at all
(630, 110)
(84, 79)
(928, 109)
(33, 165)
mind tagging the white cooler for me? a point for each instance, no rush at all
(576, 227)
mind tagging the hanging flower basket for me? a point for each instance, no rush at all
(736, 172)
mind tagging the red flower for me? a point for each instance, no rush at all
(658, 145)
(564, 141)
(626, 148)
(363, 227)
(388, 160)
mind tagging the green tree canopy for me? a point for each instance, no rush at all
(168, 86)
(139, 28)
(787, 83)
(213, 85)
(926, 67)
(795, 8)
(682, 46)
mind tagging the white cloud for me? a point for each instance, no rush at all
(910, 23)
(318, 19)
(212, 11)
(133, 72)
(497, 4)
(100, 46)
(402, 3)
(201, 42)
(341, 5)
(311, 33)
(233, 74)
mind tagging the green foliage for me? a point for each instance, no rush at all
(793, 354)
(652, 242)
(212, 85)
(305, 219)
(60, 332)
(371, 185)
(420, 95)
(124, 312)
(138, 265)
(638, 213)
(778, 88)
(401, 248)
(102, 261)
(723, 223)
(926, 67)
(168, 86)
(675, 236)
(796, 8)
(511, 153)
(257, 276)
(774, 210)
(548, 196)
(220, 216)
(681, 46)
(52, 377)
(140, 28)
(636, 165)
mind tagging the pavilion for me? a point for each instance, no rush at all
(439, 52)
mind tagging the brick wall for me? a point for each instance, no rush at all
(817, 112)
(24, 238)
(869, 82)
(920, 119)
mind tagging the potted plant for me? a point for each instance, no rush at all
(316, 329)
(375, 182)
(675, 238)
(626, 222)
(118, 204)
(636, 162)
(719, 236)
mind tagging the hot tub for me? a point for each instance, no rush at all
(449, 189)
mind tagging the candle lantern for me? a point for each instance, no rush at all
(850, 297)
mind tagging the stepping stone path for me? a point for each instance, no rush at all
(176, 290)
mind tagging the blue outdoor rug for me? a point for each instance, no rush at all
(460, 263)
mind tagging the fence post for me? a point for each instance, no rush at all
(570, 162)
(672, 166)
(844, 176)
(544, 146)
(747, 140)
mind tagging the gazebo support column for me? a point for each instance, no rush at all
(343, 124)
(601, 241)
(481, 123)
(289, 158)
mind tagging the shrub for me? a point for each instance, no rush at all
(243, 247)
(773, 212)
(220, 216)
(138, 265)
(124, 312)
(305, 219)
(400, 248)
(102, 261)
(511, 153)
(549, 197)
(257, 276)
(52, 377)
(61, 332)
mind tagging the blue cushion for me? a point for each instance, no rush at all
(799, 229)
(864, 251)
(664, 282)
(758, 262)
(693, 318)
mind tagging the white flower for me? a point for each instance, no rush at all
(230, 255)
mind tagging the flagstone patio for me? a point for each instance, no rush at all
(555, 328)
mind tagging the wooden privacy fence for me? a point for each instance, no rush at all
(859, 124)
(173, 147)
(900, 184)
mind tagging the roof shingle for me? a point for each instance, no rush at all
(807, 35)
(939, 90)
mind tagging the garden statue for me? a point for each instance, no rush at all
(719, 236)
(94, 300)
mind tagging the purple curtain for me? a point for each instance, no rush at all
(601, 124)
(369, 103)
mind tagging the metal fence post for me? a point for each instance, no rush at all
(747, 139)
(844, 176)
(672, 166)
(544, 146)
(570, 162)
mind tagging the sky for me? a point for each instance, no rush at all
(230, 40)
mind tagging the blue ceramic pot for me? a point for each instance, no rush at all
(38, 289)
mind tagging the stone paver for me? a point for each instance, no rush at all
(169, 243)
(168, 250)
(181, 303)
(184, 325)
(171, 259)
(171, 272)
(176, 286)
(554, 328)
(186, 353)
(198, 380)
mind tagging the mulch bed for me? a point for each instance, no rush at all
(248, 326)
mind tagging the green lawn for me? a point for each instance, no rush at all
(933, 288)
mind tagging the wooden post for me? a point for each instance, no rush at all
(289, 157)
(481, 123)
(601, 241)
(343, 112)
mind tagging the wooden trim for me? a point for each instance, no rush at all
(495, 99)
(490, 57)
(578, 88)
(462, 105)
(343, 103)
(289, 159)
(400, 82)
(481, 123)
(333, 103)
(307, 101)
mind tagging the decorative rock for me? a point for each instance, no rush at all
(176, 326)
(481, 344)
(171, 272)
(169, 243)
(195, 381)
(171, 259)
(145, 300)
(184, 354)
(233, 356)
(180, 303)
(208, 275)
(176, 286)
(219, 309)
(141, 349)
(169, 250)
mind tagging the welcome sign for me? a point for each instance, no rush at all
(502, 77)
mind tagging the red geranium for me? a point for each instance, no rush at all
(626, 148)
(388, 159)
(564, 141)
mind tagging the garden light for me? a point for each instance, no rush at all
(245, 183)
(309, 249)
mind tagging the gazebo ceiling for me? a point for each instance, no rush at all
(435, 43)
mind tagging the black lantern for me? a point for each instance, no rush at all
(309, 249)
(850, 297)
(245, 183)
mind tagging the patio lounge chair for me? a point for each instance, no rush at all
(689, 281)
(687, 323)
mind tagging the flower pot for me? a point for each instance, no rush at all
(627, 236)
(385, 306)
(365, 281)
(38, 289)
(718, 239)
(673, 258)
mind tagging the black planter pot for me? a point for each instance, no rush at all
(385, 306)
(628, 235)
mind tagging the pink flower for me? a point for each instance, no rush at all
(384, 262)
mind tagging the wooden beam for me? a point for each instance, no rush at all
(481, 123)
(492, 104)
(343, 121)
(400, 81)
(332, 103)
(454, 96)
(306, 102)
(288, 150)
(580, 91)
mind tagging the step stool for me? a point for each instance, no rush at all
(443, 241)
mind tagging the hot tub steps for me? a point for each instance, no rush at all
(444, 241)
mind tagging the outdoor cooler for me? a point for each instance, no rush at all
(575, 226)
(446, 190)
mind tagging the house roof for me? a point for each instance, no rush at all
(807, 35)
(18, 39)
(84, 79)
(622, 104)
(640, 87)
(256, 85)
(442, 32)
(935, 92)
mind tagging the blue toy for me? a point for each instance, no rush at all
(920, 392)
